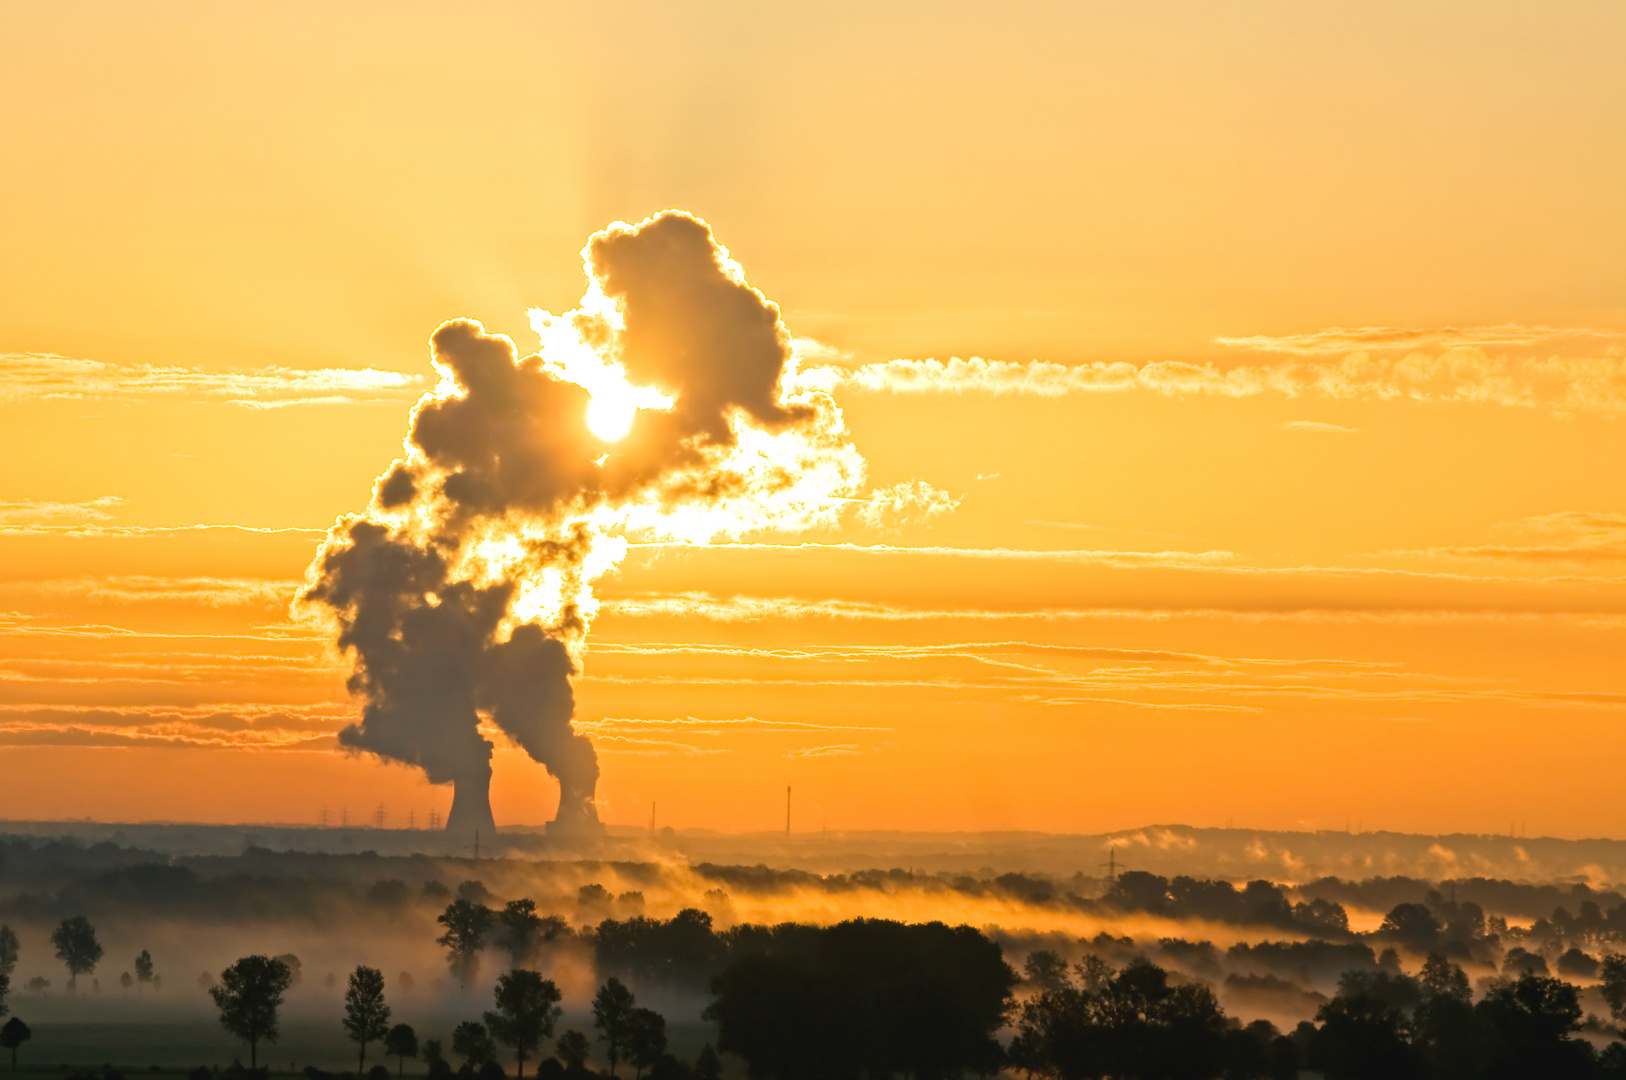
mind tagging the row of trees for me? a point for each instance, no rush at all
(78, 948)
(250, 995)
(1096, 1021)
(14, 1032)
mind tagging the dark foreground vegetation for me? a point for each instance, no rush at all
(1442, 989)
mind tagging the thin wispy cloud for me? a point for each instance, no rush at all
(1105, 557)
(27, 512)
(1337, 340)
(735, 609)
(96, 531)
(39, 376)
(1318, 427)
(831, 750)
(1508, 366)
(210, 592)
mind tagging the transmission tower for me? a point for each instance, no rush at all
(1111, 865)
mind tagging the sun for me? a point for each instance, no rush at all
(611, 412)
(615, 401)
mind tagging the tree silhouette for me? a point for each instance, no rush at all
(1363, 1037)
(646, 1039)
(522, 931)
(466, 924)
(867, 996)
(248, 996)
(1045, 970)
(1413, 925)
(1612, 976)
(366, 1017)
(143, 969)
(5, 990)
(435, 1058)
(8, 950)
(612, 1015)
(1531, 1022)
(13, 1035)
(296, 970)
(126, 980)
(572, 1049)
(707, 1065)
(527, 1009)
(401, 1043)
(473, 1043)
(77, 947)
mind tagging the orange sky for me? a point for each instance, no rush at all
(1210, 558)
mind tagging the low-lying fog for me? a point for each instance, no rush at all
(1272, 949)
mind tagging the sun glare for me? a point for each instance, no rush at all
(615, 401)
(610, 414)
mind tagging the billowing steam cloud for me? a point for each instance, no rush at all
(666, 405)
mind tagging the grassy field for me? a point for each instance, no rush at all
(173, 1049)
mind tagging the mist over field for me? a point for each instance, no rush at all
(1211, 906)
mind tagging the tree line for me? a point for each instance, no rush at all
(523, 1019)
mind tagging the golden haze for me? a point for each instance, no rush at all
(1236, 558)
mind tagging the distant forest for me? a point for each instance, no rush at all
(1440, 990)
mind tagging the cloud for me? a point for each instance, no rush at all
(209, 727)
(734, 609)
(831, 750)
(1103, 557)
(1570, 536)
(1318, 426)
(694, 724)
(29, 512)
(1377, 365)
(1337, 340)
(213, 592)
(95, 531)
(913, 502)
(36, 376)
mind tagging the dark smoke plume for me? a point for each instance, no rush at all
(665, 405)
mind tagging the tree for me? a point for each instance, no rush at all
(366, 1017)
(295, 968)
(473, 1043)
(5, 990)
(401, 1043)
(126, 981)
(13, 1035)
(1363, 1037)
(435, 1058)
(572, 1049)
(707, 1065)
(1613, 977)
(1441, 978)
(143, 968)
(1045, 970)
(248, 996)
(1413, 925)
(519, 928)
(646, 1039)
(466, 924)
(527, 1009)
(612, 1015)
(869, 996)
(8, 950)
(77, 947)
(1531, 1021)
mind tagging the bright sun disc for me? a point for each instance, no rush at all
(610, 416)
